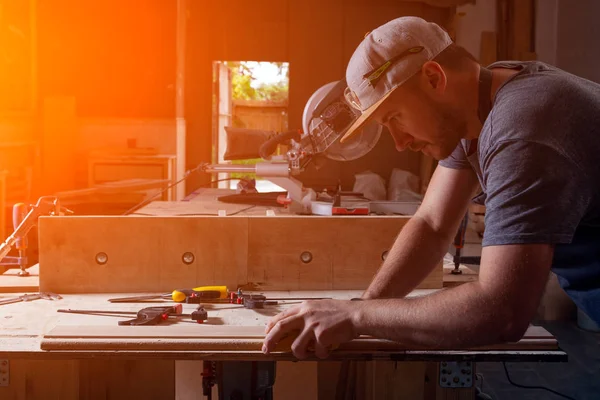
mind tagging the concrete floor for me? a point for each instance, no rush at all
(578, 378)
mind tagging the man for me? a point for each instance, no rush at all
(529, 134)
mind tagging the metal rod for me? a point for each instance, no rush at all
(136, 298)
(215, 168)
(96, 312)
(298, 298)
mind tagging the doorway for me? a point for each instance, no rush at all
(253, 96)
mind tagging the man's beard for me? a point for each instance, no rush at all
(451, 127)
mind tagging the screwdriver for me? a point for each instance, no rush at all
(194, 295)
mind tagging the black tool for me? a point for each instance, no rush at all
(253, 301)
(148, 315)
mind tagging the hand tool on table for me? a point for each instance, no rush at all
(31, 297)
(459, 243)
(252, 300)
(195, 295)
(25, 218)
(148, 315)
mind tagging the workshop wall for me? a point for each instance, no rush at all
(110, 68)
(566, 36)
(117, 58)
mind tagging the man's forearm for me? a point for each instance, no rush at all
(455, 318)
(416, 251)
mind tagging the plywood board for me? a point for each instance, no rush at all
(11, 282)
(227, 338)
(345, 252)
(144, 253)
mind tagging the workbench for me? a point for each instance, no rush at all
(44, 347)
(89, 259)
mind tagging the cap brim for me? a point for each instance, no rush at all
(364, 118)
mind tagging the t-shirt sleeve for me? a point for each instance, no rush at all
(456, 160)
(535, 194)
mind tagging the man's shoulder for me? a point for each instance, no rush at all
(538, 103)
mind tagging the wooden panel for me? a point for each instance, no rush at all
(346, 251)
(42, 380)
(239, 338)
(488, 49)
(256, 31)
(361, 17)
(522, 19)
(316, 37)
(392, 381)
(123, 379)
(11, 282)
(296, 381)
(275, 246)
(144, 253)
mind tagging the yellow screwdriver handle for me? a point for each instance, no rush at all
(208, 292)
(223, 292)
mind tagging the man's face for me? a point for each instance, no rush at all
(419, 123)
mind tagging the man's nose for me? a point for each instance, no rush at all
(402, 140)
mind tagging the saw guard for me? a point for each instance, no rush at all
(324, 138)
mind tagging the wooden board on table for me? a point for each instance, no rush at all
(344, 252)
(227, 338)
(195, 208)
(467, 275)
(145, 253)
(11, 282)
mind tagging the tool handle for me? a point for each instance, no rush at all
(18, 215)
(153, 315)
(201, 292)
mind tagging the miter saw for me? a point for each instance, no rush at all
(326, 117)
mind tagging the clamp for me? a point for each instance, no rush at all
(23, 221)
(147, 315)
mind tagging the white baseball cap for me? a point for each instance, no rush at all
(385, 59)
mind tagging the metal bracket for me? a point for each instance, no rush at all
(456, 374)
(4, 373)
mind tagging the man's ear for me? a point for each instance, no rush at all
(433, 77)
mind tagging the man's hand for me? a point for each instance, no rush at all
(322, 324)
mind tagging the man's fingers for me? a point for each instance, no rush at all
(321, 351)
(282, 315)
(279, 330)
(300, 345)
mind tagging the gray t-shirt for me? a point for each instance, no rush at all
(538, 162)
